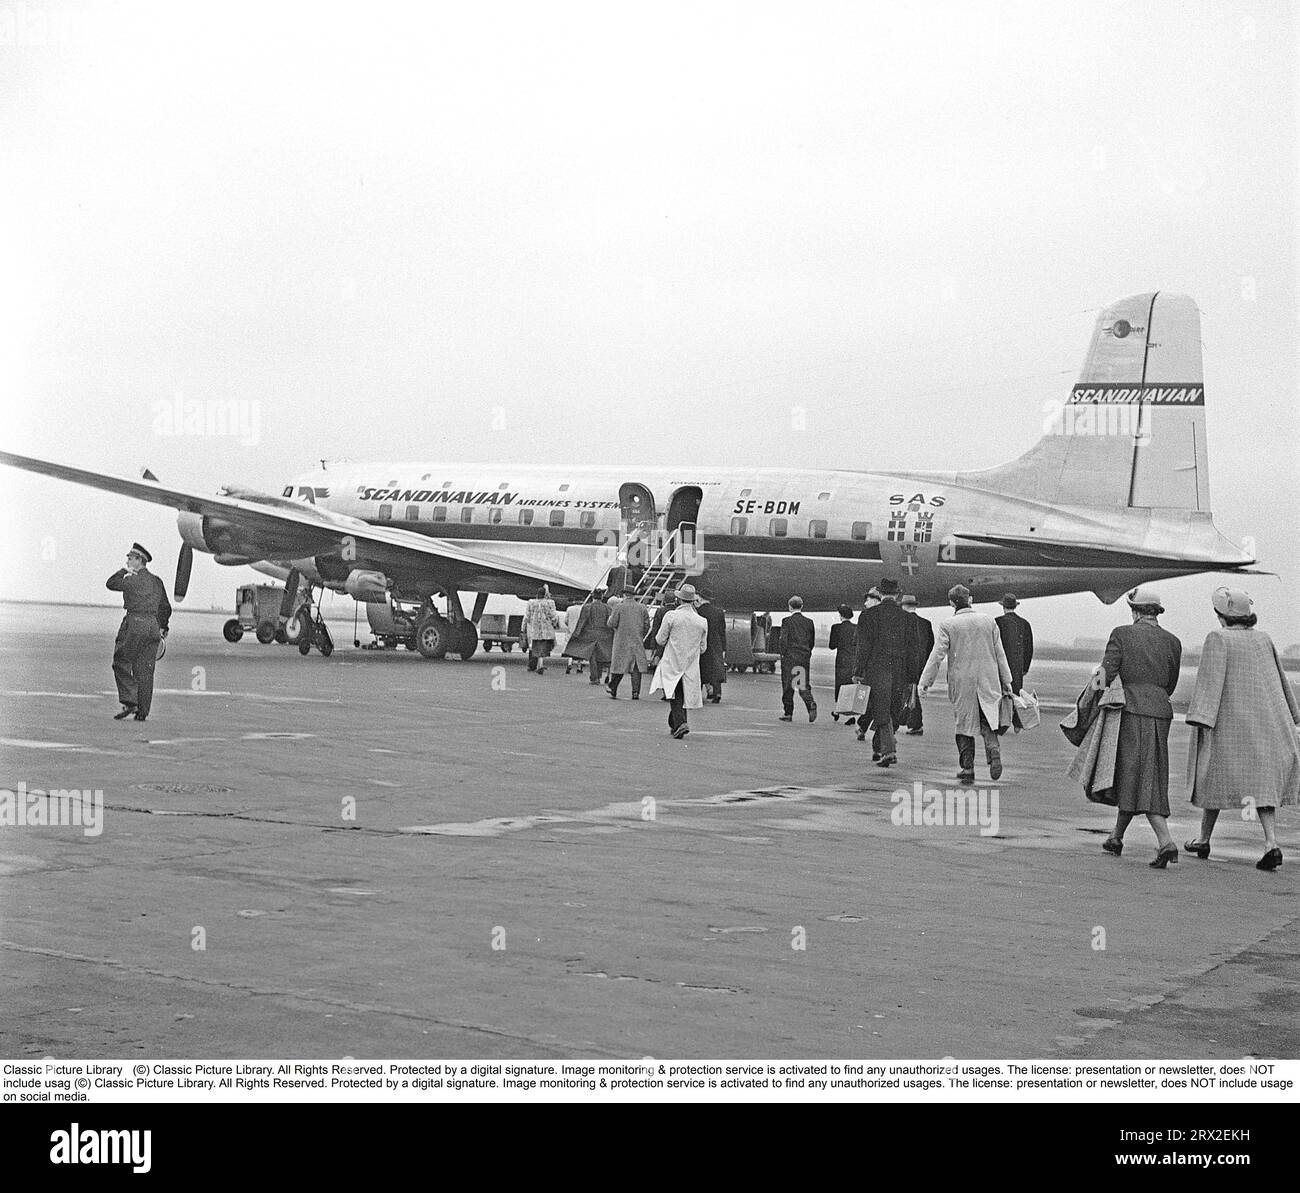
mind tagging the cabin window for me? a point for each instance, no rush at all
(826, 496)
(739, 525)
(564, 488)
(467, 513)
(503, 486)
(439, 513)
(412, 513)
(557, 517)
(587, 519)
(817, 529)
(747, 492)
(494, 514)
(779, 528)
(861, 531)
(525, 517)
(385, 513)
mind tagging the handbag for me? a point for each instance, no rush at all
(1006, 713)
(853, 699)
(1027, 709)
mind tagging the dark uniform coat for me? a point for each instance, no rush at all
(713, 662)
(148, 614)
(1018, 642)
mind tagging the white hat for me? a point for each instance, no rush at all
(1145, 595)
(1232, 602)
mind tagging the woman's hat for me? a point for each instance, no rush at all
(1145, 595)
(1232, 602)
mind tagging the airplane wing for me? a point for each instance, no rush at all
(277, 528)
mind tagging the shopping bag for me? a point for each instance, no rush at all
(1027, 709)
(853, 699)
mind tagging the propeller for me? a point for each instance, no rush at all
(184, 563)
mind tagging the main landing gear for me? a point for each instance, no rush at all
(307, 627)
(436, 636)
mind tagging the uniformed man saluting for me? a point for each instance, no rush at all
(148, 612)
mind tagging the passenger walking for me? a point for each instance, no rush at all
(592, 639)
(922, 644)
(683, 635)
(884, 662)
(571, 615)
(1017, 640)
(713, 662)
(148, 618)
(540, 623)
(798, 635)
(1146, 658)
(978, 677)
(630, 622)
(1243, 753)
(844, 644)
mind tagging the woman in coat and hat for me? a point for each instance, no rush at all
(1243, 715)
(1146, 658)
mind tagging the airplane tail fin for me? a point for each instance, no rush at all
(1132, 431)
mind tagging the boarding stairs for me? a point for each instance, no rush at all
(665, 572)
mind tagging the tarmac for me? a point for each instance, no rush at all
(375, 855)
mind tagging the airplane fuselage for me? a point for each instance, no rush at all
(765, 534)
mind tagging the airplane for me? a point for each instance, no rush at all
(1115, 494)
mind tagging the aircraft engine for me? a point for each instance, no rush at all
(193, 528)
(366, 586)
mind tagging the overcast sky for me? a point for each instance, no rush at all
(607, 233)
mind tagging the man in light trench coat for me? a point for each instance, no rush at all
(683, 636)
(978, 677)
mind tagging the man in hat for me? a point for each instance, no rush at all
(1017, 640)
(978, 677)
(683, 636)
(713, 662)
(884, 663)
(798, 633)
(922, 643)
(148, 614)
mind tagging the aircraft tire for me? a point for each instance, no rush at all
(296, 629)
(304, 647)
(433, 636)
(467, 640)
(324, 642)
(232, 631)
